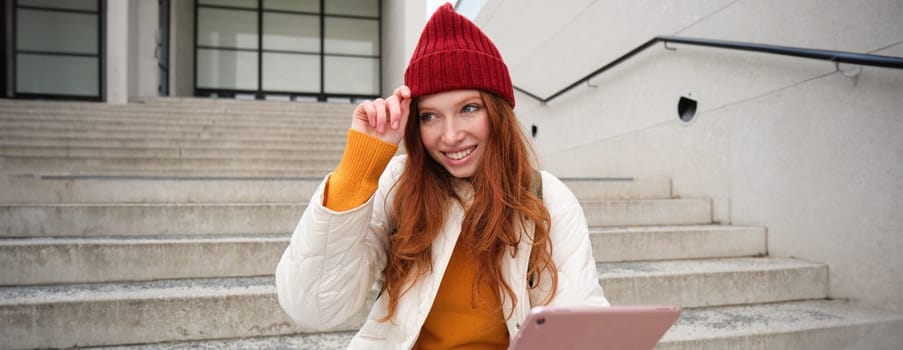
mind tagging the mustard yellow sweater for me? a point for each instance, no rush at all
(458, 318)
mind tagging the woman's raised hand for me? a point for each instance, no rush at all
(384, 119)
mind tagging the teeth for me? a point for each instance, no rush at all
(460, 155)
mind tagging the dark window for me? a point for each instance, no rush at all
(291, 48)
(57, 50)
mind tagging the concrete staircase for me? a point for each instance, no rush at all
(158, 224)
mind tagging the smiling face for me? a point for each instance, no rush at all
(454, 129)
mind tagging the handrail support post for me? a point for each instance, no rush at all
(853, 74)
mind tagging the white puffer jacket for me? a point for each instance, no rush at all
(328, 270)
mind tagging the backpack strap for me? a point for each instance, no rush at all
(536, 184)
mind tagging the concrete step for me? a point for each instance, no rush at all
(168, 152)
(105, 259)
(177, 137)
(176, 121)
(17, 165)
(149, 312)
(145, 120)
(174, 103)
(183, 118)
(318, 341)
(36, 261)
(648, 212)
(644, 243)
(105, 219)
(81, 140)
(147, 219)
(39, 188)
(820, 324)
(713, 282)
(44, 260)
(161, 131)
(787, 326)
(147, 189)
(173, 173)
(620, 188)
(90, 131)
(182, 114)
(179, 310)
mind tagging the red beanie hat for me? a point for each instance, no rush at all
(453, 53)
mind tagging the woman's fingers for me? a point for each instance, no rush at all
(380, 106)
(402, 93)
(405, 107)
(394, 112)
(370, 111)
(402, 97)
(384, 118)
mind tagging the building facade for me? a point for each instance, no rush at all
(263, 49)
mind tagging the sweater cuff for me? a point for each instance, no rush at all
(357, 176)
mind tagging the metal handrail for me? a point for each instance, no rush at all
(818, 54)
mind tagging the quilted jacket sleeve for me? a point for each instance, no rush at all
(578, 278)
(327, 271)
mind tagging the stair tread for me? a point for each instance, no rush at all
(182, 288)
(729, 321)
(154, 205)
(699, 266)
(152, 148)
(319, 341)
(602, 230)
(153, 178)
(128, 240)
(175, 156)
(676, 242)
(601, 200)
(693, 325)
(179, 173)
(197, 287)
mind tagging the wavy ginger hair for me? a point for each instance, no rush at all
(502, 195)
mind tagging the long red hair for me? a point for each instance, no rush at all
(502, 197)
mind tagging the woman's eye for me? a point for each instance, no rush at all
(425, 117)
(470, 108)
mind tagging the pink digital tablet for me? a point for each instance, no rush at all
(595, 327)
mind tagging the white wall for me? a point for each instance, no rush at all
(402, 22)
(116, 46)
(827, 179)
(131, 68)
(181, 48)
(787, 143)
(143, 27)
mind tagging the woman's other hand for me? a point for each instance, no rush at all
(386, 118)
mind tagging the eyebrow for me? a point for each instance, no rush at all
(460, 102)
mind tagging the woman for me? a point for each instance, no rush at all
(464, 234)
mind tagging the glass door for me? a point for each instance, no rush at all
(288, 48)
(57, 50)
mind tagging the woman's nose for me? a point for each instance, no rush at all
(452, 133)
